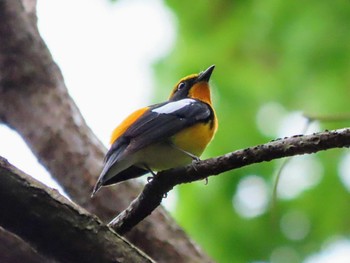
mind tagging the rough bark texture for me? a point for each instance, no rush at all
(154, 191)
(34, 101)
(55, 226)
(14, 249)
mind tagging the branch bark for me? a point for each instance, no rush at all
(55, 226)
(34, 101)
(9, 241)
(163, 182)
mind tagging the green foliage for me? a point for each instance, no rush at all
(294, 53)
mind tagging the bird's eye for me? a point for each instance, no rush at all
(180, 86)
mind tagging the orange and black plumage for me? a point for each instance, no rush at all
(164, 135)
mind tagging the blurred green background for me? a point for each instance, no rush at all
(275, 61)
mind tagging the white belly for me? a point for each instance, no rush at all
(161, 156)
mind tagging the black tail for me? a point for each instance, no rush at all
(131, 172)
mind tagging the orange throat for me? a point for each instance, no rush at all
(201, 91)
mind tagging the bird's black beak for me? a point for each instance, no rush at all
(205, 75)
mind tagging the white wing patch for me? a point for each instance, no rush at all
(173, 106)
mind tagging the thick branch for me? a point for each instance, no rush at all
(55, 226)
(155, 190)
(9, 241)
(35, 102)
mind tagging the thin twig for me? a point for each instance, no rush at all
(340, 117)
(309, 121)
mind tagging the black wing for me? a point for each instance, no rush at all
(159, 123)
(165, 120)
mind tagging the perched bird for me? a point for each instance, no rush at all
(164, 135)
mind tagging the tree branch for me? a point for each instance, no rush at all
(153, 193)
(34, 101)
(9, 241)
(55, 226)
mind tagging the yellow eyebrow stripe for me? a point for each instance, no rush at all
(117, 132)
(192, 76)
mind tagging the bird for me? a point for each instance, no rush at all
(164, 135)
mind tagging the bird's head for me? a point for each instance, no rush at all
(195, 86)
